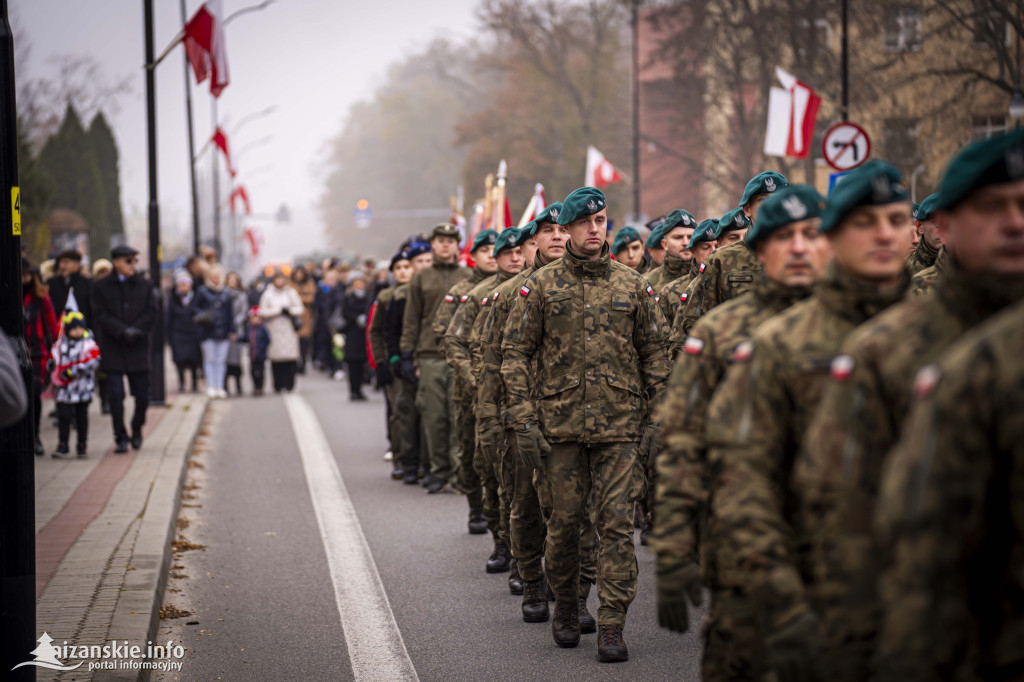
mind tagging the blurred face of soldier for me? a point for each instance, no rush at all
(916, 238)
(444, 248)
(551, 239)
(731, 237)
(631, 254)
(125, 265)
(701, 250)
(511, 260)
(795, 255)
(657, 255)
(930, 233)
(68, 266)
(402, 271)
(424, 260)
(529, 248)
(675, 242)
(587, 234)
(484, 257)
(986, 231)
(871, 243)
(751, 208)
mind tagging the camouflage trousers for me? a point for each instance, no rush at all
(733, 648)
(391, 392)
(465, 434)
(434, 400)
(610, 470)
(409, 451)
(488, 467)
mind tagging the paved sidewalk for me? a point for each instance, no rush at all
(104, 527)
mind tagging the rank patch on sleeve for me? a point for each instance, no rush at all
(449, 298)
(525, 291)
(926, 380)
(743, 351)
(693, 345)
(842, 367)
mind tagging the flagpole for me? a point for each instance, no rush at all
(216, 180)
(191, 143)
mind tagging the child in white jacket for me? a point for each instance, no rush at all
(76, 356)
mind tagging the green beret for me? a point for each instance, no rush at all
(677, 218)
(485, 238)
(580, 203)
(876, 183)
(655, 236)
(705, 232)
(988, 162)
(735, 219)
(624, 237)
(763, 183)
(444, 230)
(926, 211)
(525, 233)
(506, 240)
(549, 214)
(789, 205)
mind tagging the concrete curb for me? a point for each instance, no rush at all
(137, 613)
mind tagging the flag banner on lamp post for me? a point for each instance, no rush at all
(204, 45)
(792, 113)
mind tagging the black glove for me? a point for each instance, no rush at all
(383, 375)
(409, 368)
(132, 335)
(794, 648)
(532, 445)
(678, 582)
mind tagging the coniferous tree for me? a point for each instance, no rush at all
(36, 189)
(109, 159)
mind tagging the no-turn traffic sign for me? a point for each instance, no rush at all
(845, 146)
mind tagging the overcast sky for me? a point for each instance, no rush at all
(310, 58)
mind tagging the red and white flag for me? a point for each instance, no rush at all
(221, 140)
(204, 45)
(255, 239)
(239, 194)
(600, 171)
(792, 113)
(537, 204)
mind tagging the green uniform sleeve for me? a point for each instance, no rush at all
(456, 340)
(520, 340)
(650, 337)
(490, 388)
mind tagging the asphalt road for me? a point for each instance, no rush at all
(263, 603)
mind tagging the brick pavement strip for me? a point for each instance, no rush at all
(111, 581)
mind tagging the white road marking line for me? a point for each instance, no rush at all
(375, 646)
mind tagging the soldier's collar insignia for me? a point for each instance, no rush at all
(842, 367)
(701, 268)
(794, 207)
(743, 351)
(449, 298)
(682, 297)
(926, 380)
(525, 291)
(650, 291)
(464, 298)
(693, 345)
(769, 184)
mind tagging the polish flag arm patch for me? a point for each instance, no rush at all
(525, 291)
(464, 298)
(449, 298)
(842, 367)
(693, 346)
(683, 297)
(926, 380)
(650, 291)
(743, 352)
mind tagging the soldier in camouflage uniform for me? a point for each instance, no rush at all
(929, 237)
(924, 281)
(758, 416)
(486, 459)
(951, 506)
(627, 247)
(794, 253)
(729, 272)
(599, 339)
(836, 477)
(673, 235)
(422, 360)
(673, 301)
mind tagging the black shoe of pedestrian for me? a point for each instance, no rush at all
(120, 446)
(105, 406)
(477, 524)
(515, 581)
(62, 451)
(499, 560)
(397, 475)
(137, 441)
(38, 447)
(565, 626)
(587, 623)
(82, 451)
(535, 605)
(611, 647)
(410, 478)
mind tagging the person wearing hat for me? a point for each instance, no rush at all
(770, 393)
(730, 271)
(75, 359)
(628, 248)
(654, 255)
(789, 244)
(584, 356)
(124, 311)
(40, 332)
(280, 308)
(732, 227)
(68, 280)
(929, 237)
(977, 216)
(182, 331)
(422, 358)
(671, 297)
(354, 311)
(672, 235)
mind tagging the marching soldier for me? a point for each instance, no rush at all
(757, 418)
(673, 295)
(732, 227)
(598, 340)
(836, 478)
(673, 236)
(628, 248)
(929, 240)
(789, 244)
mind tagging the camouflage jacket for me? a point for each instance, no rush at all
(922, 282)
(426, 291)
(599, 339)
(672, 299)
(378, 345)
(858, 422)
(457, 337)
(672, 268)
(951, 507)
(452, 299)
(755, 424)
(923, 257)
(726, 274)
(682, 465)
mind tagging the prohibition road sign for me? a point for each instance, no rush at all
(845, 146)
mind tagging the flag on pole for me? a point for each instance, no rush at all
(239, 193)
(600, 171)
(792, 113)
(537, 204)
(255, 239)
(221, 140)
(204, 45)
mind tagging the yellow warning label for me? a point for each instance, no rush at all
(16, 211)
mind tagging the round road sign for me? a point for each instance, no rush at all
(845, 146)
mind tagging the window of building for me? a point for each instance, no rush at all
(903, 28)
(991, 28)
(900, 137)
(989, 126)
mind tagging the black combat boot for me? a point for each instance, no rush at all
(565, 626)
(611, 647)
(410, 477)
(499, 560)
(587, 622)
(477, 524)
(62, 451)
(535, 605)
(515, 581)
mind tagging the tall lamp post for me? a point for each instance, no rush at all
(634, 20)
(156, 348)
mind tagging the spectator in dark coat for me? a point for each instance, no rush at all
(182, 331)
(217, 329)
(40, 333)
(124, 308)
(69, 278)
(354, 312)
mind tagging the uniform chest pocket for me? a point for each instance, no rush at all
(558, 302)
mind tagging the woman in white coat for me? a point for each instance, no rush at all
(280, 306)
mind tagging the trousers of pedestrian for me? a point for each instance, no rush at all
(138, 384)
(572, 470)
(465, 433)
(409, 426)
(257, 370)
(77, 413)
(434, 400)
(284, 375)
(215, 361)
